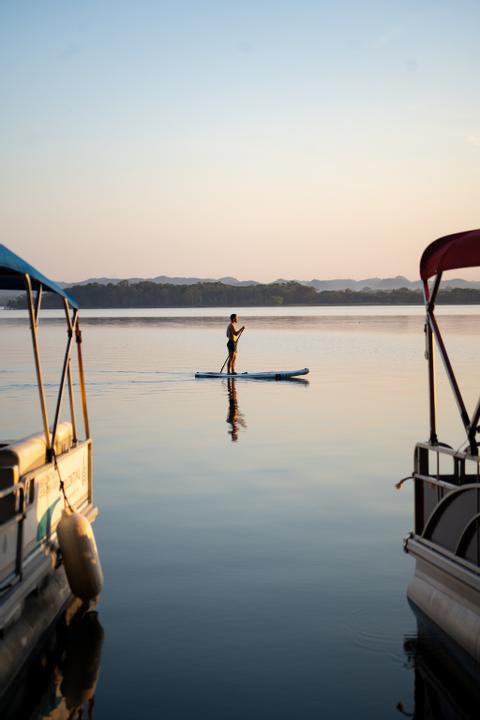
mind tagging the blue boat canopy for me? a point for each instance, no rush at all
(13, 269)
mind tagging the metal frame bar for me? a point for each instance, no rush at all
(432, 330)
(474, 422)
(449, 370)
(71, 330)
(430, 356)
(72, 399)
(433, 296)
(81, 374)
(34, 314)
(38, 304)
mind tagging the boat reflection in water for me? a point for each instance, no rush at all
(60, 681)
(234, 417)
(447, 680)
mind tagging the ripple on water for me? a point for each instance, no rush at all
(371, 636)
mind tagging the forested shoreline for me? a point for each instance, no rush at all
(154, 295)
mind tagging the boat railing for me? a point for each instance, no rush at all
(447, 500)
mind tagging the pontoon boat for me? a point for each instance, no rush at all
(445, 541)
(39, 476)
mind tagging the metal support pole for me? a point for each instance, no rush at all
(449, 370)
(38, 303)
(431, 384)
(430, 356)
(66, 361)
(70, 320)
(473, 428)
(71, 394)
(72, 400)
(33, 327)
(433, 297)
(81, 374)
(433, 329)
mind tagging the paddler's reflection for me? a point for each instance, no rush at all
(235, 417)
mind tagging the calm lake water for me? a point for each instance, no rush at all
(251, 536)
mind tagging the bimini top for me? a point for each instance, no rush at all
(12, 270)
(460, 250)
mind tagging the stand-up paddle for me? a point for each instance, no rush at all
(238, 337)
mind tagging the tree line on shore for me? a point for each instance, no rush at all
(152, 295)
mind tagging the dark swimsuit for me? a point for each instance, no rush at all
(232, 346)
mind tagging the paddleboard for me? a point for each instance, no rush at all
(273, 375)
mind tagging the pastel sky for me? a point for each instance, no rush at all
(258, 139)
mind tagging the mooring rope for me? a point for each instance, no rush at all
(399, 484)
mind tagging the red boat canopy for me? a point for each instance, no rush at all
(460, 250)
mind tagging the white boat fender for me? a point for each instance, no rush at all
(80, 555)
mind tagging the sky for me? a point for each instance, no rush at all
(257, 139)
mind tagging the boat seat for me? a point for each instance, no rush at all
(30, 453)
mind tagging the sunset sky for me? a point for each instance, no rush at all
(258, 139)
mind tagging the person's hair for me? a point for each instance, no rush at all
(233, 317)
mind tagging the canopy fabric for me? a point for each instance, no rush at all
(451, 252)
(12, 270)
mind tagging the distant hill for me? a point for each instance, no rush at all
(373, 283)
(163, 280)
(376, 283)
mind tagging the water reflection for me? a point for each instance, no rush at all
(447, 681)
(234, 417)
(60, 681)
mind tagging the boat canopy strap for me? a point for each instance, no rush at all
(451, 252)
(12, 276)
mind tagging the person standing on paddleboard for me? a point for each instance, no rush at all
(233, 334)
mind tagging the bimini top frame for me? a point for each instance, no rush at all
(16, 274)
(451, 252)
